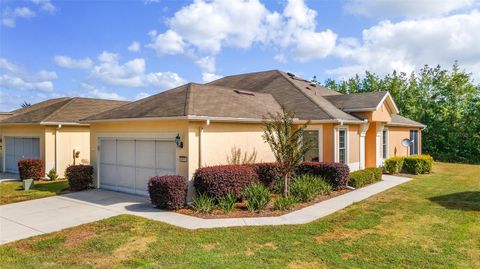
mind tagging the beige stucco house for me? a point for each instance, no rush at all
(195, 125)
(50, 130)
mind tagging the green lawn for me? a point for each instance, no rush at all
(430, 222)
(11, 192)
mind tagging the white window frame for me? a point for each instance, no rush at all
(385, 143)
(320, 139)
(336, 138)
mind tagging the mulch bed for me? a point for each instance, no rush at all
(241, 211)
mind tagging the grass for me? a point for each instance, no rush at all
(11, 192)
(429, 222)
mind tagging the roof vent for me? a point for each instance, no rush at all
(291, 75)
(244, 92)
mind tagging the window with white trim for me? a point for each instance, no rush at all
(342, 145)
(384, 144)
(312, 138)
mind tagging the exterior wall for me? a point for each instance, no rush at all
(370, 145)
(70, 138)
(395, 137)
(354, 145)
(24, 131)
(328, 147)
(142, 129)
(220, 138)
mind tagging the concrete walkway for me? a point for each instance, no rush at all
(30, 218)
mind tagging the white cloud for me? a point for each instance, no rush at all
(131, 73)
(410, 44)
(395, 8)
(45, 5)
(167, 43)
(134, 47)
(202, 29)
(9, 15)
(101, 93)
(68, 62)
(207, 77)
(280, 58)
(16, 77)
(23, 12)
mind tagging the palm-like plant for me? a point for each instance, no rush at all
(286, 141)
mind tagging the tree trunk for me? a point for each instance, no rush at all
(286, 189)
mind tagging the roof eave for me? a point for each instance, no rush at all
(407, 125)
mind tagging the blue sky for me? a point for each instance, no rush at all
(132, 49)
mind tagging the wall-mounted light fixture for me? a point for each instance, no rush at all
(178, 141)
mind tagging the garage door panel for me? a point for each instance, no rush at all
(36, 147)
(17, 148)
(11, 164)
(125, 177)
(126, 152)
(109, 174)
(108, 152)
(27, 148)
(166, 154)
(145, 154)
(142, 176)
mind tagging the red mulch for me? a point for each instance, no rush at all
(241, 211)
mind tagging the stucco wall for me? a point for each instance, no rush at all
(70, 138)
(354, 144)
(370, 145)
(395, 137)
(328, 146)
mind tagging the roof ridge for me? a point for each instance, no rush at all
(309, 97)
(60, 108)
(243, 74)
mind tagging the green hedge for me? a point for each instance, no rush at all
(364, 177)
(417, 164)
(393, 165)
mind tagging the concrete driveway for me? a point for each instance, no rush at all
(34, 217)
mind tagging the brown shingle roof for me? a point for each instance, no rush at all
(357, 101)
(398, 120)
(61, 110)
(196, 100)
(305, 100)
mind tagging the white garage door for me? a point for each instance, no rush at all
(127, 165)
(17, 148)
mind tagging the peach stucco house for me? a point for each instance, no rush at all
(50, 130)
(194, 125)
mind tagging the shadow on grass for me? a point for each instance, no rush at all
(468, 200)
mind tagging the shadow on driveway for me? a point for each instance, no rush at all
(467, 201)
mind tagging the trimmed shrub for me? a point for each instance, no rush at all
(227, 203)
(257, 197)
(377, 173)
(203, 203)
(306, 187)
(419, 164)
(336, 174)
(80, 177)
(31, 168)
(364, 177)
(393, 165)
(168, 192)
(269, 174)
(284, 203)
(416, 164)
(52, 174)
(218, 181)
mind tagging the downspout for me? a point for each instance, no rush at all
(200, 143)
(56, 147)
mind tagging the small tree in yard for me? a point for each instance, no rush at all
(286, 142)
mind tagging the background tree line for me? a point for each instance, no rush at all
(447, 101)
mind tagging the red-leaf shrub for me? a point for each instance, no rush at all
(31, 168)
(168, 192)
(80, 177)
(218, 181)
(268, 174)
(337, 174)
